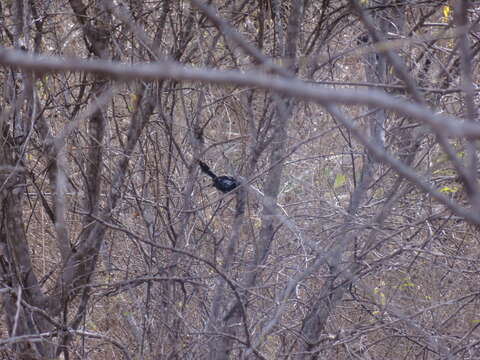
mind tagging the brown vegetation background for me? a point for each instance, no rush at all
(352, 125)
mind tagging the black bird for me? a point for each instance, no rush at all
(223, 183)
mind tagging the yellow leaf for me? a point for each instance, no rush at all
(407, 284)
(448, 189)
(446, 12)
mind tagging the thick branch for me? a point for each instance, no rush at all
(296, 88)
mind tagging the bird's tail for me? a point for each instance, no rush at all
(206, 169)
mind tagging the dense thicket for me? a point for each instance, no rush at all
(351, 125)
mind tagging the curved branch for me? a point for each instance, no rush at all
(440, 124)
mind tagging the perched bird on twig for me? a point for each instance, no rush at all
(223, 183)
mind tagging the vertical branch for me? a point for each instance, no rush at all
(461, 20)
(61, 203)
(17, 269)
(284, 110)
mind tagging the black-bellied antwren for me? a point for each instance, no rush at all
(223, 183)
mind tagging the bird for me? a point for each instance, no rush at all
(223, 183)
